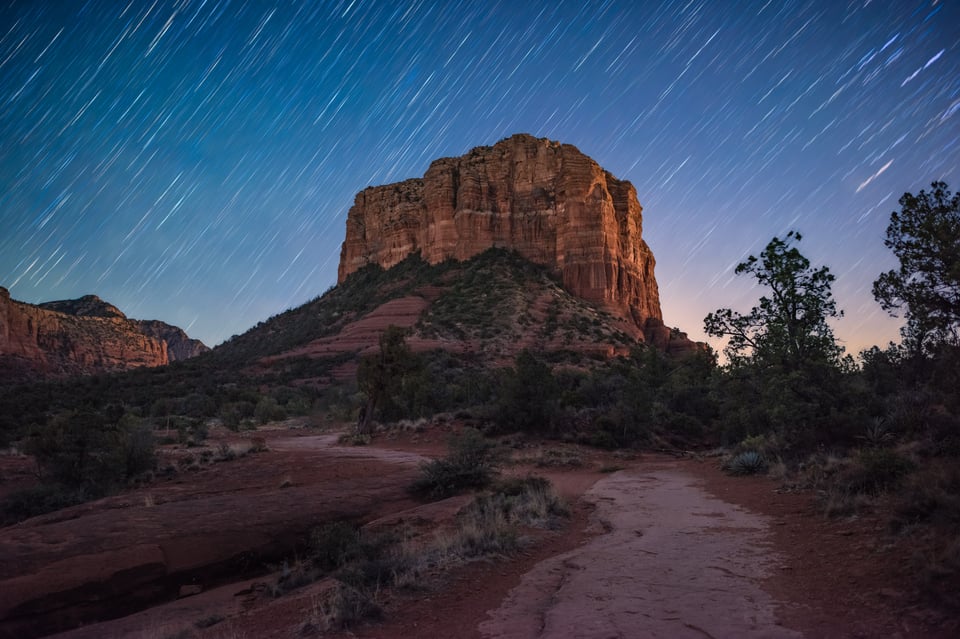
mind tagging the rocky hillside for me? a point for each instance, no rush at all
(545, 200)
(81, 336)
(486, 308)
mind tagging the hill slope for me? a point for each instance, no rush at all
(490, 307)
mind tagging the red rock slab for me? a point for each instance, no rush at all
(92, 563)
(362, 335)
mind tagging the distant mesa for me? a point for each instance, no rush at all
(82, 336)
(544, 200)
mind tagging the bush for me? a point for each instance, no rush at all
(268, 410)
(931, 495)
(471, 463)
(39, 500)
(342, 606)
(878, 470)
(233, 414)
(333, 545)
(80, 449)
(529, 395)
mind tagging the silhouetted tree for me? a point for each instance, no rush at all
(386, 377)
(528, 395)
(925, 237)
(789, 327)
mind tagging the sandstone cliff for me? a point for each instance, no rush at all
(179, 344)
(71, 337)
(545, 200)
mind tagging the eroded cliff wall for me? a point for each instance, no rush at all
(543, 199)
(80, 336)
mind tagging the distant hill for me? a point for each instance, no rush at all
(82, 336)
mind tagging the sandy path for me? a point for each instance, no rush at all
(675, 562)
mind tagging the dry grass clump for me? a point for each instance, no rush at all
(365, 563)
(927, 510)
(558, 458)
(238, 450)
(848, 485)
(337, 608)
(354, 439)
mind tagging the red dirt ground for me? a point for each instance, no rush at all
(836, 578)
(841, 578)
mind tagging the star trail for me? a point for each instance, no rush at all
(193, 161)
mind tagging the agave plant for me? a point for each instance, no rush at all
(878, 433)
(747, 463)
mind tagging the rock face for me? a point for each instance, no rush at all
(545, 200)
(179, 344)
(86, 335)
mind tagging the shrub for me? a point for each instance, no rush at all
(559, 458)
(79, 449)
(233, 414)
(529, 394)
(489, 524)
(333, 545)
(471, 463)
(268, 410)
(930, 495)
(343, 606)
(878, 433)
(878, 470)
(39, 500)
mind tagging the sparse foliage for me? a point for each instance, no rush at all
(788, 327)
(388, 378)
(925, 237)
(471, 463)
(528, 395)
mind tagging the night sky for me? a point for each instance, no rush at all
(194, 161)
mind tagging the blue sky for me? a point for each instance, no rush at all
(194, 161)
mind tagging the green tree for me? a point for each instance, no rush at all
(528, 395)
(924, 235)
(788, 328)
(387, 378)
(84, 449)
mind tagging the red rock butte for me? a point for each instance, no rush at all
(545, 200)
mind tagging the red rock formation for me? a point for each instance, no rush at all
(71, 337)
(545, 200)
(179, 344)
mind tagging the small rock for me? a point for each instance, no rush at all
(189, 590)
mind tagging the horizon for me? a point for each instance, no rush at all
(172, 160)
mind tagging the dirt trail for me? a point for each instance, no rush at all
(674, 562)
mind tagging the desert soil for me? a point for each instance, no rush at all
(661, 548)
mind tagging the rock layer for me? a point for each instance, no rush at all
(81, 336)
(545, 200)
(179, 344)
